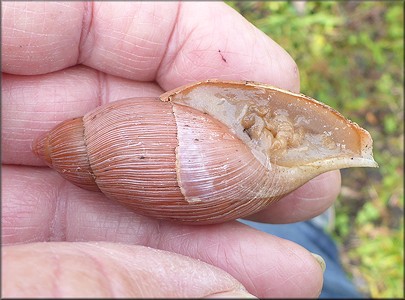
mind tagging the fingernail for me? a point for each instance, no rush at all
(320, 261)
(232, 294)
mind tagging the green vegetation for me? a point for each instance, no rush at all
(350, 56)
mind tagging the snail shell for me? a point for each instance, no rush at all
(204, 153)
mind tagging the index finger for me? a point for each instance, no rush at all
(173, 43)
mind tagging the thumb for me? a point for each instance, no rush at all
(58, 270)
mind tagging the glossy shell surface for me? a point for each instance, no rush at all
(207, 152)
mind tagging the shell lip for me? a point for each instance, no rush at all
(343, 162)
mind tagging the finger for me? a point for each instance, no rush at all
(175, 43)
(51, 209)
(268, 266)
(39, 211)
(109, 270)
(126, 39)
(308, 201)
(34, 104)
(214, 41)
(40, 37)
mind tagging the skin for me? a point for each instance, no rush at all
(60, 60)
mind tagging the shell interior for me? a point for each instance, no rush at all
(280, 127)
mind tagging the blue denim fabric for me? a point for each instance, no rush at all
(313, 238)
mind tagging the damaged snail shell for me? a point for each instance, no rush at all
(204, 153)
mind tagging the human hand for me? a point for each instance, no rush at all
(61, 60)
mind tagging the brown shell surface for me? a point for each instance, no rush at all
(174, 168)
(209, 152)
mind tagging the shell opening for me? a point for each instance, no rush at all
(281, 128)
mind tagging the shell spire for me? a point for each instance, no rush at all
(64, 149)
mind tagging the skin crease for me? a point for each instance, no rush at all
(76, 56)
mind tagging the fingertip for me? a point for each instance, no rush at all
(308, 269)
(200, 50)
(319, 259)
(239, 294)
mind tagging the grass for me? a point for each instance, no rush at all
(350, 56)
